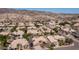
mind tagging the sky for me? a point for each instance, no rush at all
(54, 10)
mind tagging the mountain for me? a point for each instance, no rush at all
(28, 15)
(7, 10)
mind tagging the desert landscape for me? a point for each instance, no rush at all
(38, 30)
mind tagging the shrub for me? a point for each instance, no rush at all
(27, 36)
(13, 29)
(68, 40)
(61, 42)
(55, 29)
(51, 46)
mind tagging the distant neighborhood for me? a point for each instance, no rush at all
(35, 30)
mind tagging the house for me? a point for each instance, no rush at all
(32, 30)
(76, 25)
(4, 33)
(66, 28)
(51, 24)
(18, 33)
(31, 24)
(59, 37)
(19, 44)
(38, 40)
(21, 24)
(45, 29)
(52, 40)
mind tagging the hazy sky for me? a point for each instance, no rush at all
(55, 10)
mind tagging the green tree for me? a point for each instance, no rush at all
(56, 30)
(51, 46)
(13, 29)
(3, 40)
(27, 36)
(68, 41)
(61, 42)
